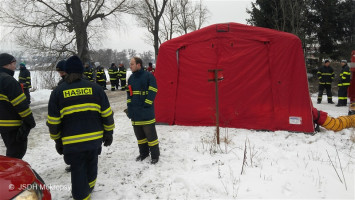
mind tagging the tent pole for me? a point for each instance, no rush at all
(217, 104)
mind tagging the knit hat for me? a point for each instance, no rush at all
(344, 61)
(74, 65)
(6, 59)
(60, 65)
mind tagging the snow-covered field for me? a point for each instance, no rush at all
(278, 165)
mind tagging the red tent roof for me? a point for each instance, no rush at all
(265, 83)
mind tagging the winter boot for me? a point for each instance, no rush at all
(154, 161)
(141, 157)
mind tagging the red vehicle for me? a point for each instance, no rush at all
(19, 181)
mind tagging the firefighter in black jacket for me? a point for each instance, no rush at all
(113, 73)
(142, 89)
(101, 76)
(89, 72)
(344, 83)
(16, 119)
(79, 120)
(25, 79)
(326, 76)
(122, 76)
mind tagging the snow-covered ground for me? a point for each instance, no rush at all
(278, 165)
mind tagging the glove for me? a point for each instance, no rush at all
(22, 133)
(59, 146)
(107, 140)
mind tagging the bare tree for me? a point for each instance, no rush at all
(149, 15)
(60, 26)
(169, 25)
(200, 16)
(185, 16)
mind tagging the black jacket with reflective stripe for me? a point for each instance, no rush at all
(79, 113)
(325, 75)
(14, 109)
(344, 76)
(89, 73)
(25, 77)
(122, 73)
(141, 103)
(113, 73)
(100, 74)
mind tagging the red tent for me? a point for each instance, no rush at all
(265, 83)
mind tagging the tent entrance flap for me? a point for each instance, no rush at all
(195, 98)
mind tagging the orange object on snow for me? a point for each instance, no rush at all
(331, 123)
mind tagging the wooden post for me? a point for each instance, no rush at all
(217, 76)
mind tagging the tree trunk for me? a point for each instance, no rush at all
(156, 40)
(80, 31)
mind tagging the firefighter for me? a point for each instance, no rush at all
(344, 83)
(326, 76)
(89, 72)
(60, 69)
(79, 120)
(122, 76)
(142, 89)
(100, 76)
(25, 79)
(16, 119)
(113, 73)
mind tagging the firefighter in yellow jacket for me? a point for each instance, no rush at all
(80, 119)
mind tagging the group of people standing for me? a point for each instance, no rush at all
(117, 75)
(80, 118)
(97, 74)
(326, 76)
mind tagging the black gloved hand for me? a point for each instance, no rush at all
(59, 146)
(107, 140)
(22, 133)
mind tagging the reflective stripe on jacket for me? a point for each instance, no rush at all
(325, 75)
(79, 114)
(344, 77)
(140, 101)
(13, 105)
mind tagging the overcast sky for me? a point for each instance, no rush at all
(130, 36)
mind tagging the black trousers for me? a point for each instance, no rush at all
(328, 89)
(114, 84)
(102, 84)
(147, 140)
(14, 148)
(83, 166)
(28, 96)
(343, 95)
(123, 84)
